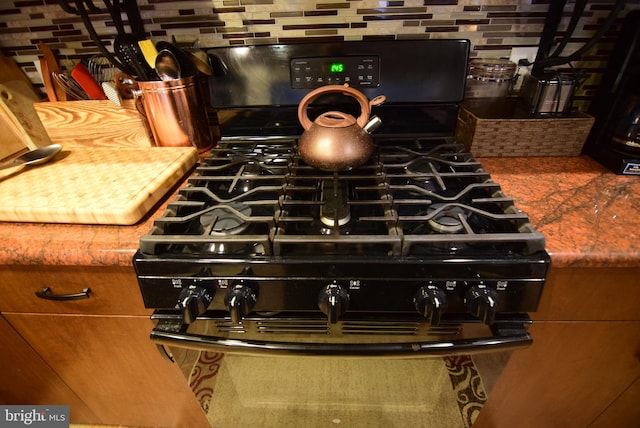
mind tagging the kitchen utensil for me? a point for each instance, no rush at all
(53, 67)
(167, 66)
(336, 141)
(149, 51)
(101, 69)
(187, 67)
(47, 79)
(127, 49)
(134, 18)
(111, 91)
(85, 80)
(200, 60)
(126, 85)
(85, 8)
(34, 157)
(197, 56)
(70, 86)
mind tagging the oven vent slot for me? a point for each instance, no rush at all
(445, 330)
(229, 327)
(380, 327)
(294, 326)
(321, 327)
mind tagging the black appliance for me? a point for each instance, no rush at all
(416, 252)
(614, 140)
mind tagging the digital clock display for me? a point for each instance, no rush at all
(356, 71)
(336, 67)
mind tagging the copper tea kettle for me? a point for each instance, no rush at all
(337, 141)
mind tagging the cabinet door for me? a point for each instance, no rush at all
(624, 412)
(26, 379)
(569, 376)
(590, 294)
(112, 364)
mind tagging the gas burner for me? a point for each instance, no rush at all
(335, 209)
(225, 219)
(242, 181)
(425, 173)
(428, 184)
(423, 166)
(250, 169)
(447, 218)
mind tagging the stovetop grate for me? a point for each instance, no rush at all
(414, 197)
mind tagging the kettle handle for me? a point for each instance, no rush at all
(365, 106)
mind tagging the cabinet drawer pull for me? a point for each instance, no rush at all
(46, 293)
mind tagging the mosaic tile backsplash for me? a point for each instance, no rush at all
(494, 27)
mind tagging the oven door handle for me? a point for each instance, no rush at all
(506, 336)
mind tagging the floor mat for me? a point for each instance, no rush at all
(318, 392)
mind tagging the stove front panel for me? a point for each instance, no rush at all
(377, 285)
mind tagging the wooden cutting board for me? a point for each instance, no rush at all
(94, 186)
(96, 123)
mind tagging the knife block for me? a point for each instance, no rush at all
(20, 128)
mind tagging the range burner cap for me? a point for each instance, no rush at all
(329, 220)
(335, 208)
(449, 220)
(226, 219)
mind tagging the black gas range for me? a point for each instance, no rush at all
(416, 252)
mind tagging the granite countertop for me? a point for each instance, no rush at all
(589, 216)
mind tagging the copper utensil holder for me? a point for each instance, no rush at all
(176, 112)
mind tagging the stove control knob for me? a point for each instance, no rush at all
(240, 300)
(431, 302)
(194, 301)
(333, 301)
(482, 302)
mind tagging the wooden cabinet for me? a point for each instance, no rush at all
(622, 413)
(25, 378)
(96, 348)
(585, 358)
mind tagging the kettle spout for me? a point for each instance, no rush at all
(373, 124)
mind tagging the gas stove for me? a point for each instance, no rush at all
(403, 254)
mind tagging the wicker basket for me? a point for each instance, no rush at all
(488, 131)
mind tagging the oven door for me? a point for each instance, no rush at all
(277, 370)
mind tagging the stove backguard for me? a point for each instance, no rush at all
(411, 71)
